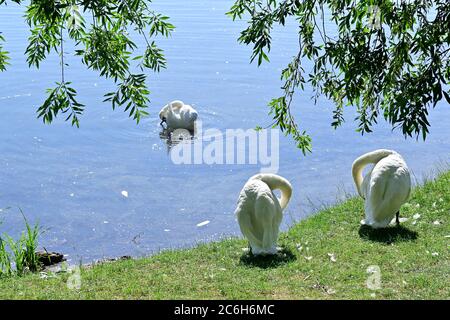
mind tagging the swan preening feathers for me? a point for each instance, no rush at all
(259, 211)
(385, 188)
(178, 115)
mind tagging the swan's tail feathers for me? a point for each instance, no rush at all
(245, 225)
(381, 214)
(266, 215)
(361, 162)
(275, 182)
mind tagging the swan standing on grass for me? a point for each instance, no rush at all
(178, 115)
(385, 188)
(259, 211)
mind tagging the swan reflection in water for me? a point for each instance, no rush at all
(174, 137)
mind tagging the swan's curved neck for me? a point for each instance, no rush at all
(360, 163)
(286, 194)
(276, 182)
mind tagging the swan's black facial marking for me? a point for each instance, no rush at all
(163, 120)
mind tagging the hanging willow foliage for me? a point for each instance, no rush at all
(101, 32)
(387, 58)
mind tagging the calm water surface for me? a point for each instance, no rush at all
(70, 180)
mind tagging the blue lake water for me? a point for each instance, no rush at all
(70, 180)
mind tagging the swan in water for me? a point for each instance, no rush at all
(259, 211)
(178, 115)
(385, 188)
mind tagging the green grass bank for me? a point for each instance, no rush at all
(324, 257)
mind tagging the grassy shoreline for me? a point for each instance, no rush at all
(324, 257)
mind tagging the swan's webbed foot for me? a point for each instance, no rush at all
(397, 219)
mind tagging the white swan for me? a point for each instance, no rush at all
(259, 211)
(178, 115)
(385, 188)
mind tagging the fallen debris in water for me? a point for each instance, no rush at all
(204, 223)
